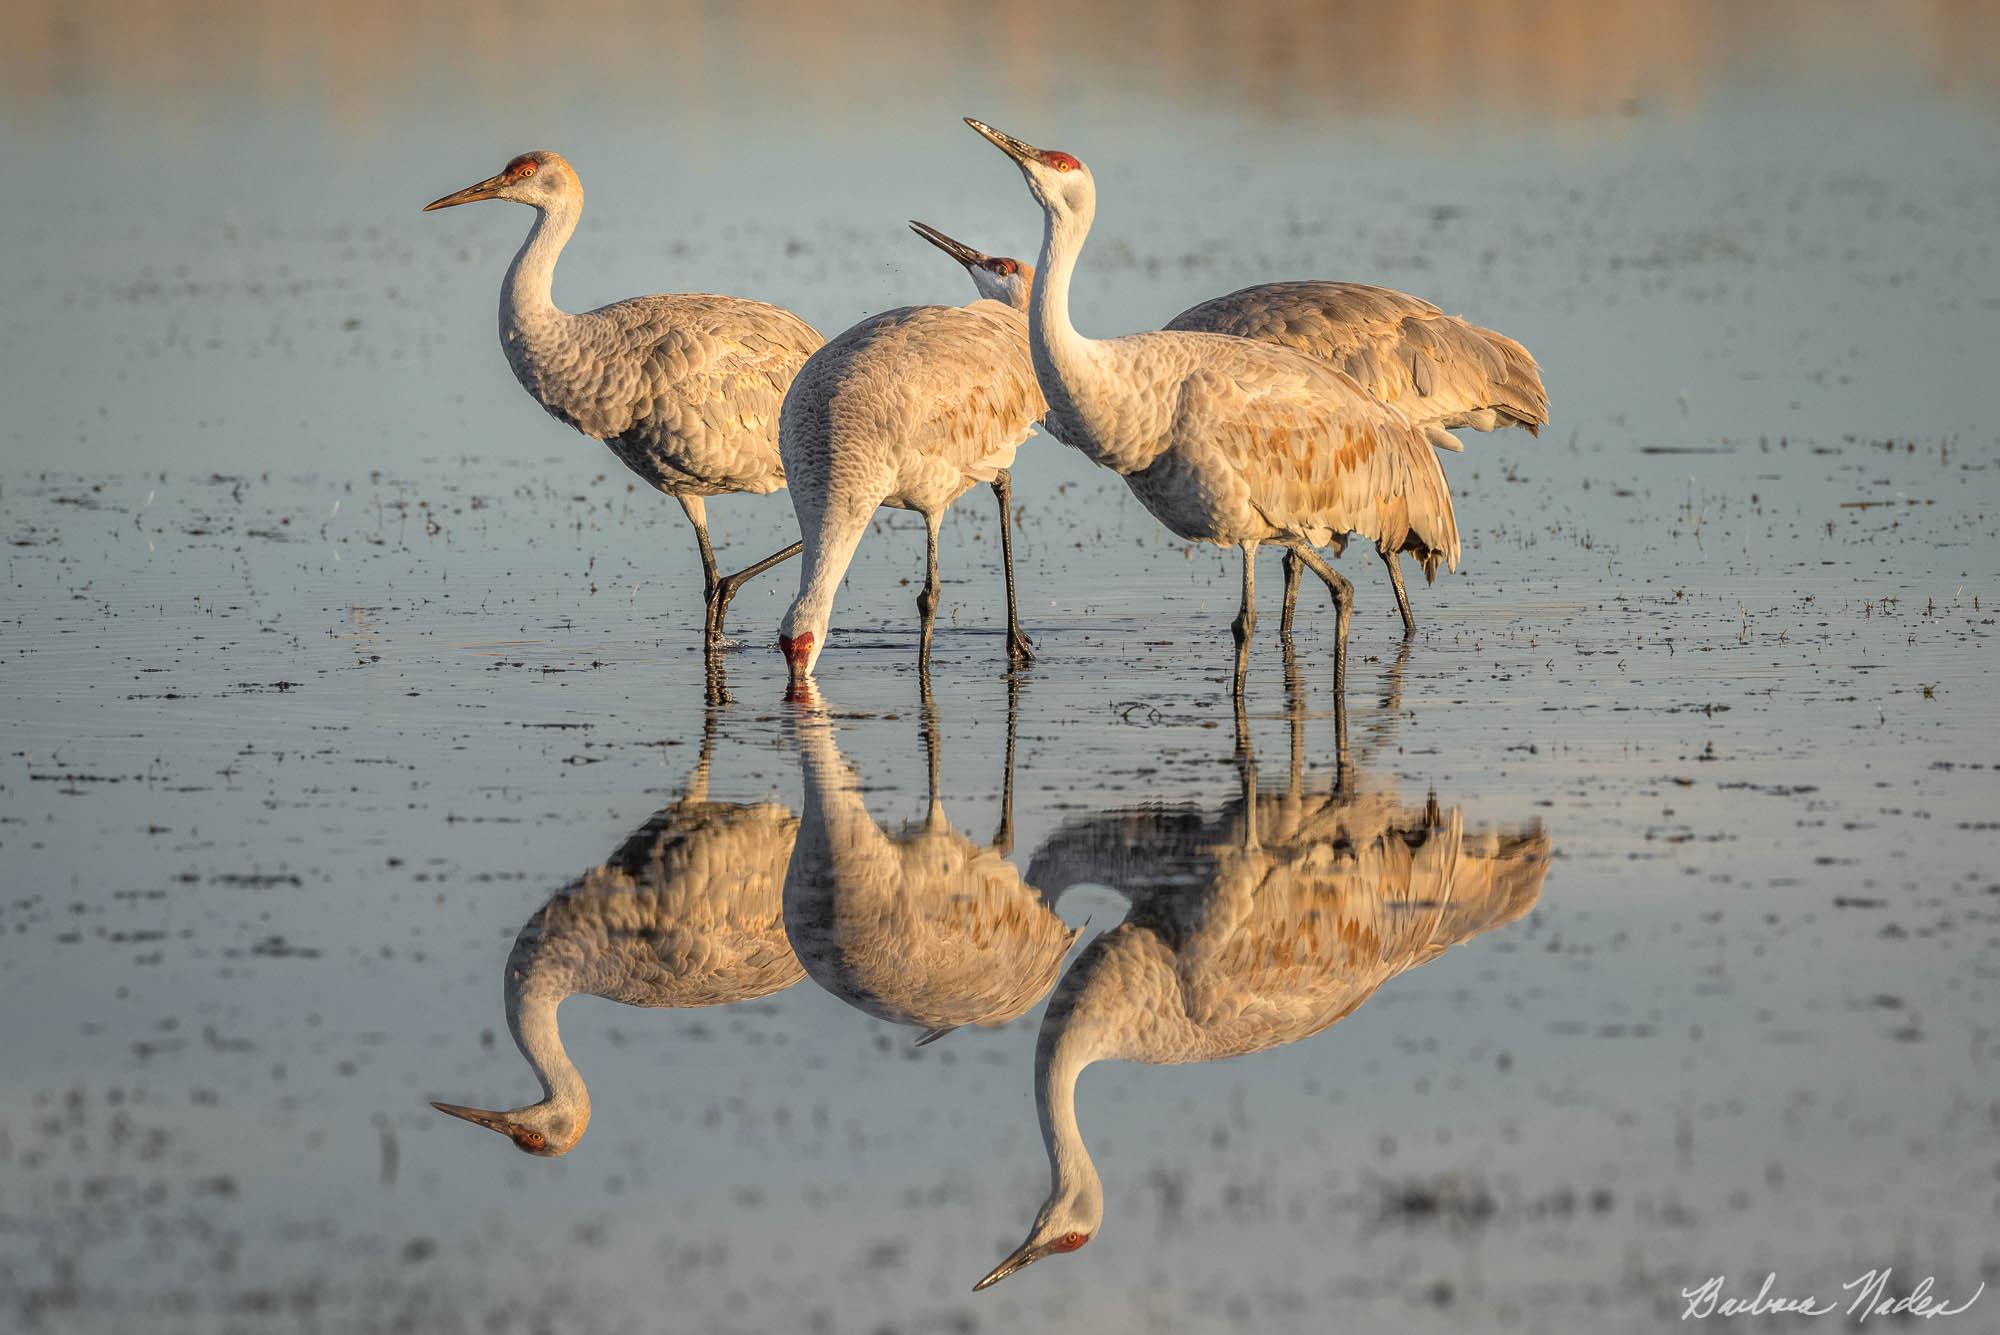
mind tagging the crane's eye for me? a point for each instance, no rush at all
(520, 169)
(1062, 162)
(530, 1140)
(1004, 267)
(1069, 1242)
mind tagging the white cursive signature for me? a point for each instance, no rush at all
(1871, 1297)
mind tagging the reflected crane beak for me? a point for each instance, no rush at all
(958, 250)
(1025, 1255)
(492, 1121)
(486, 189)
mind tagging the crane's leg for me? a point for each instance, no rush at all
(1293, 569)
(932, 743)
(1392, 680)
(697, 512)
(1343, 604)
(927, 598)
(1020, 649)
(1395, 563)
(726, 587)
(715, 690)
(1003, 838)
(1245, 623)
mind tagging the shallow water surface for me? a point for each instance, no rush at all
(1644, 931)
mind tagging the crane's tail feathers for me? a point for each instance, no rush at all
(1444, 440)
(933, 1035)
(1519, 398)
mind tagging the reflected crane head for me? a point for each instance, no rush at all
(1061, 184)
(545, 1129)
(1070, 1218)
(998, 277)
(538, 178)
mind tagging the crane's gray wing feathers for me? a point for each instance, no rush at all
(1442, 371)
(685, 388)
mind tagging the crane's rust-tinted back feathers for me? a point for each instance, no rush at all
(1439, 369)
(1314, 457)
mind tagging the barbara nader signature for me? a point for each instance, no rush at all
(1868, 1293)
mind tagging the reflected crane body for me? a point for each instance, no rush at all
(1260, 927)
(687, 912)
(928, 928)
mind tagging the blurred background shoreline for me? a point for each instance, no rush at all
(355, 64)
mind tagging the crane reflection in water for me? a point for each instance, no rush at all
(928, 928)
(684, 913)
(1250, 927)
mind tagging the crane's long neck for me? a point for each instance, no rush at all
(528, 312)
(531, 1017)
(1063, 357)
(1091, 391)
(831, 531)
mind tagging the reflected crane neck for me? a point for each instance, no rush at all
(1060, 1056)
(531, 1018)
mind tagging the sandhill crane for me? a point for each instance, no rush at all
(929, 928)
(1227, 440)
(1255, 928)
(685, 913)
(684, 388)
(909, 409)
(1441, 370)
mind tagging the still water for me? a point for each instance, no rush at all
(1644, 932)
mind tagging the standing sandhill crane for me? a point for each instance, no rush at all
(1442, 371)
(685, 913)
(929, 928)
(909, 409)
(1259, 927)
(1226, 440)
(684, 388)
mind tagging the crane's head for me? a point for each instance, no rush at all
(997, 277)
(1060, 184)
(545, 1129)
(801, 636)
(539, 179)
(1070, 1218)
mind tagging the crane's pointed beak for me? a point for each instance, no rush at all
(1024, 1256)
(486, 189)
(1006, 143)
(492, 1121)
(958, 250)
